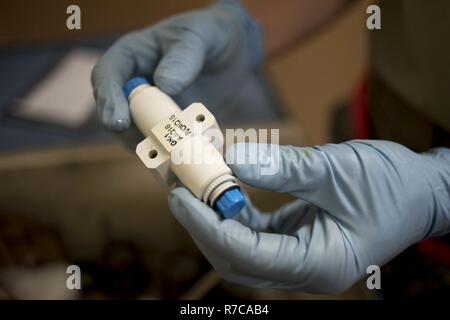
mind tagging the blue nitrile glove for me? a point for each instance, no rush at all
(202, 54)
(362, 203)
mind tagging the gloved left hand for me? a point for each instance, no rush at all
(201, 55)
(361, 203)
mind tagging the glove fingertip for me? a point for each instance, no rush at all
(193, 214)
(167, 83)
(119, 125)
(177, 193)
(180, 197)
(114, 119)
(180, 65)
(243, 159)
(112, 106)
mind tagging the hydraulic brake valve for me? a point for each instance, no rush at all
(178, 144)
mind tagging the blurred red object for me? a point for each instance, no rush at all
(359, 111)
(435, 250)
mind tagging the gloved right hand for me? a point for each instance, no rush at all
(202, 54)
(361, 203)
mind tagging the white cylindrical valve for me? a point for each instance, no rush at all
(178, 145)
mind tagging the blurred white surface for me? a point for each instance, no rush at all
(64, 96)
(44, 283)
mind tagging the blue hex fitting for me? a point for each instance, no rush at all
(230, 203)
(132, 84)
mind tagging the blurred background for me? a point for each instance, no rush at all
(70, 193)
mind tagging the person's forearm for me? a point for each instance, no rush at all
(286, 22)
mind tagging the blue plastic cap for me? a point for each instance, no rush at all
(132, 84)
(230, 203)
